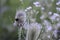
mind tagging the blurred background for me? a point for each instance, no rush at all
(8, 11)
(7, 15)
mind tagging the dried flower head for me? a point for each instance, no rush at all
(20, 18)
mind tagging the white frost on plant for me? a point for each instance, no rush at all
(42, 8)
(38, 26)
(42, 17)
(34, 29)
(26, 26)
(58, 3)
(20, 18)
(47, 25)
(54, 16)
(49, 28)
(28, 8)
(58, 8)
(37, 4)
(48, 36)
(50, 13)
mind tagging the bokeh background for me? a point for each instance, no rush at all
(7, 15)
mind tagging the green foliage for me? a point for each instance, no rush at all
(38, 16)
(53, 8)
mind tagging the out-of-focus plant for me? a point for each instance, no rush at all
(44, 12)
